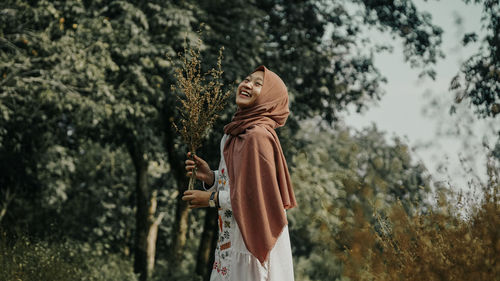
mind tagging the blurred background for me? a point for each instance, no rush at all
(394, 106)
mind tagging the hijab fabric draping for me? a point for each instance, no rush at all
(260, 182)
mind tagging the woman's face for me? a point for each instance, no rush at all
(249, 89)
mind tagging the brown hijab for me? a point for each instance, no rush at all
(258, 174)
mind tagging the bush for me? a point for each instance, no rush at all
(437, 245)
(26, 260)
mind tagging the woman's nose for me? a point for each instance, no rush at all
(248, 84)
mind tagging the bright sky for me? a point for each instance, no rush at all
(400, 111)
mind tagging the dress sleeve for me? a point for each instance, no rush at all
(224, 196)
(216, 182)
(224, 199)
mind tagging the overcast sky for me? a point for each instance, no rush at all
(400, 112)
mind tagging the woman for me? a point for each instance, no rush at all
(252, 187)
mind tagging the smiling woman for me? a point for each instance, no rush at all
(251, 187)
(249, 89)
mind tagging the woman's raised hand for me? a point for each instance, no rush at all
(203, 171)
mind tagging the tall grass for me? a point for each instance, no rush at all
(440, 244)
(23, 259)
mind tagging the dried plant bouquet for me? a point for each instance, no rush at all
(201, 99)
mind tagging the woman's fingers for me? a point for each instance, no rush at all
(195, 160)
(188, 195)
(198, 164)
(198, 174)
(198, 159)
(195, 198)
(193, 157)
(193, 203)
(190, 164)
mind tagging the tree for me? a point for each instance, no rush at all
(33, 119)
(340, 177)
(96, 66)
(316, 47)
(99, 73)
(478, 80)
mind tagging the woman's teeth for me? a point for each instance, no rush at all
(245, 94)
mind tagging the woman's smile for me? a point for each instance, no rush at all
(245, 93)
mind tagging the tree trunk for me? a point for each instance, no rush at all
(152, 233)
(5, 205)
(146, 229)
(180, 227)
(207, 245)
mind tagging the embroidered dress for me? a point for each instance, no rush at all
(233, 261)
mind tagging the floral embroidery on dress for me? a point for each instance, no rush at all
(225, 246)
(226, 235)
(221, 269)
(225, 218)
(223, 178)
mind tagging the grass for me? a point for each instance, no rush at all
(440, 244)
(22, 259)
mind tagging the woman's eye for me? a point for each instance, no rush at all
(258, 84)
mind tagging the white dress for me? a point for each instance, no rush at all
(233, 261)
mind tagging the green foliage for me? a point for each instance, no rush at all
(478, 80)
(338, 177)
(24, 259)
(420, 36)
(86, 107)
(100, 208)
(317, 47)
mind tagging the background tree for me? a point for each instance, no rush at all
(100, 79)
(478, 80)
(86, 103)
(318, 50)
(339, 177)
